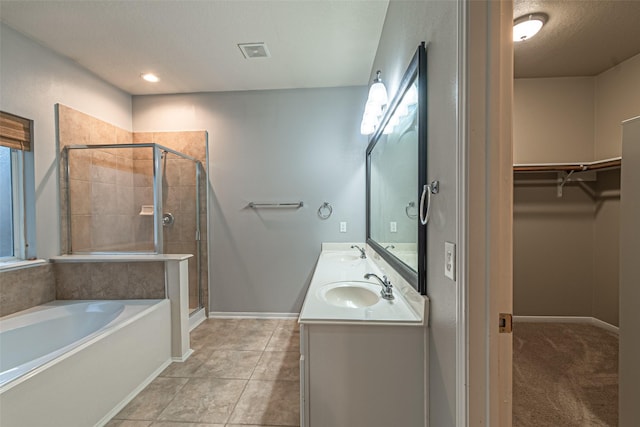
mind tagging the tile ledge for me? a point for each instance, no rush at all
(121, 258)
(17, 265)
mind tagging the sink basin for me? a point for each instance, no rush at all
(343, 257)
(350, 294)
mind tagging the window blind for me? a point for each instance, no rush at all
(15, 131)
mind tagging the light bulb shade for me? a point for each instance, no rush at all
(372, 109)
(368, 126)
(528, 26)
(378, 94)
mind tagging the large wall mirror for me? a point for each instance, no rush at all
(396, 174)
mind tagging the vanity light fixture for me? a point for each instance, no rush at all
(376, 103)
(528, 26)
(150, 77)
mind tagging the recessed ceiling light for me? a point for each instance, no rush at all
(254, 50)
(528, 26)
(150, 77)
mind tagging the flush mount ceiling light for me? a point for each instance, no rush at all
(528, 26)
(150, 77)
(254, 50)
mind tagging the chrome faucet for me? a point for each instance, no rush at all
(386, 292)
(363, 255)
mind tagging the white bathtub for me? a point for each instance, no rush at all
(77, 363)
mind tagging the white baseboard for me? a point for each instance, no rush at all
(567, 319)
(196, 318)
(124, 402)
(184, 357)
(250, 315)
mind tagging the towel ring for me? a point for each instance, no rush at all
(325, 210)
(409, 206)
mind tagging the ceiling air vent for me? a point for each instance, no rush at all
(254, 50)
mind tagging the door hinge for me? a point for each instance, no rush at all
(505, 324)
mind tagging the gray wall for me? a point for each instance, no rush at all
(553, 269)
(271, 146)
(407, 24)
(33, 79)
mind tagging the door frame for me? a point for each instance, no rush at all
(485, 222)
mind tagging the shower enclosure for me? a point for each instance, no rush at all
(140, 198)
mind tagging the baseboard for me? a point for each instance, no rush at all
(250, 315)
(133, 394)
(184, 357)
(567, 319)
(196, 318)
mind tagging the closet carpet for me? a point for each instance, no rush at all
(564, 374)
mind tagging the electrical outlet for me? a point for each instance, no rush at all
(450, 260)
(393, 227)
(343, 226)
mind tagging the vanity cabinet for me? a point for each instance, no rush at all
(362, 375)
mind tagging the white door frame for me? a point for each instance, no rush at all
(485, 197)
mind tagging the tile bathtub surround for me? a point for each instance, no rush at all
(109, 280)
(25, 288)
(244, 372)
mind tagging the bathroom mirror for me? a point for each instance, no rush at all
(396, 173)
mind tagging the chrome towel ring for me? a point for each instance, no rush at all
(411, 205)
(325, 210)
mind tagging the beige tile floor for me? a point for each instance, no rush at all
(243, 372)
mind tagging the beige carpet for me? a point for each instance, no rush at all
(564, 374)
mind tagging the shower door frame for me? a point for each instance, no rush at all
(157, 195)
(158, 237)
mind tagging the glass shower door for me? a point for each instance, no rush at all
(181, 220)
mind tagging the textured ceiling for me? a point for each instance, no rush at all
(580, 38)
(192, 45)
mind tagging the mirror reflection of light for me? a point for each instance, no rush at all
(411, 98)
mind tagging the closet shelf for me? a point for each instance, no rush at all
(614, 162)
(566, 172)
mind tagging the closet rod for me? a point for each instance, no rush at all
(576, 167)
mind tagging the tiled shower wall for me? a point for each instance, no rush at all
(178, 188)
(109, 187)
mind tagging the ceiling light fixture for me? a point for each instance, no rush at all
(150, 77)
(528, 26)
(376, 103)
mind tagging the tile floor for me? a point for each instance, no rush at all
(243, 372)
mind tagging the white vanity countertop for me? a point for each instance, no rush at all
(339, 263)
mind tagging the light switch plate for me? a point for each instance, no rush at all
(450, 260)
(343, 226)
(393, 227)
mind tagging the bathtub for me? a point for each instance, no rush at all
(77, 363)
